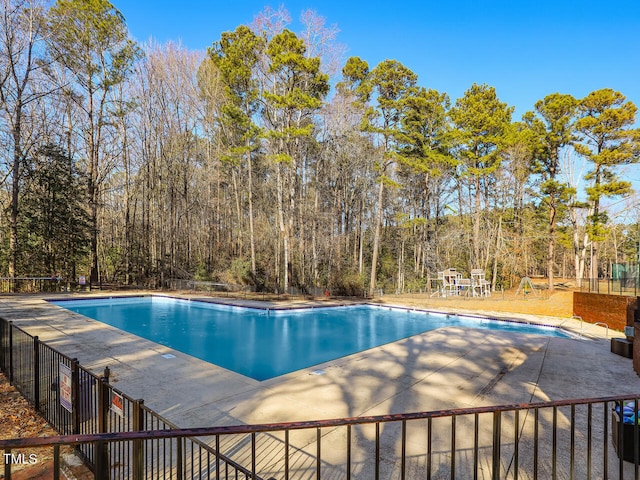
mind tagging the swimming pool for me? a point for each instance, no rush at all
(263, 344)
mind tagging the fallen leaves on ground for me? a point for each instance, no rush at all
(18, 419)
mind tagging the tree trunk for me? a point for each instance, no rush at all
(376, 240)
(15, 193)
(283, 228)
(92, 189)
(400, 268)
(594, 267)
(127, 213)
(236, 195)
(252, 240)
(494, 270)
(551, 246)
(314, 238)
(476, 227)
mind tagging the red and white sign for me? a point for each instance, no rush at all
(64, 373)
(116, 404)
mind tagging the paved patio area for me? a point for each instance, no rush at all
(442, 369)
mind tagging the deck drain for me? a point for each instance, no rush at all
(168, 355)
(318, 372)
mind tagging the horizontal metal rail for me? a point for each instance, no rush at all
(564, 439)
(275, 427)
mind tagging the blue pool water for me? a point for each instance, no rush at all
(265, 344)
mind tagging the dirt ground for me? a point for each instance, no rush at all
(19, 419)
(558, 303)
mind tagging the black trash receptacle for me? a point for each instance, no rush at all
(622, 347)
(628, 438)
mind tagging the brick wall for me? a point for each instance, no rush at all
(617, 311)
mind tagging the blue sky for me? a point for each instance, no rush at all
(526, 49)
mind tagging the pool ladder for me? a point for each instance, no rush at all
(584, 330)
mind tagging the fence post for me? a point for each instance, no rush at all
(11, 353)
(56, 462)
(103, 405)
(102, 448)
(497, 425)
(7, 466)
(3, 344)
(138, 450)
(36, 373)
(179, 458)
(75, 395)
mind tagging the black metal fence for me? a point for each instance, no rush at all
(30, 284)
(612, 286)
(77, 402)
(576, 439)
(120, 438)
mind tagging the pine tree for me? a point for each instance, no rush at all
(481, 121)
(237, 55)
(294, 92)
(56, 225)
(605, 125)
(89, 38)
(552, 125)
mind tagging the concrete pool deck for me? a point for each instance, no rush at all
(442, 369)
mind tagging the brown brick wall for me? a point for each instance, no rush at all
(615, 310)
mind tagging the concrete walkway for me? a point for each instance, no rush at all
(442, 369)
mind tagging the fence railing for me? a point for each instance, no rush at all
(30, 284)
(612, 286)
(576, 439)
(234, 289)
(77, 402)
(120, 438)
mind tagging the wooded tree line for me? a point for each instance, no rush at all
(271, 161)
